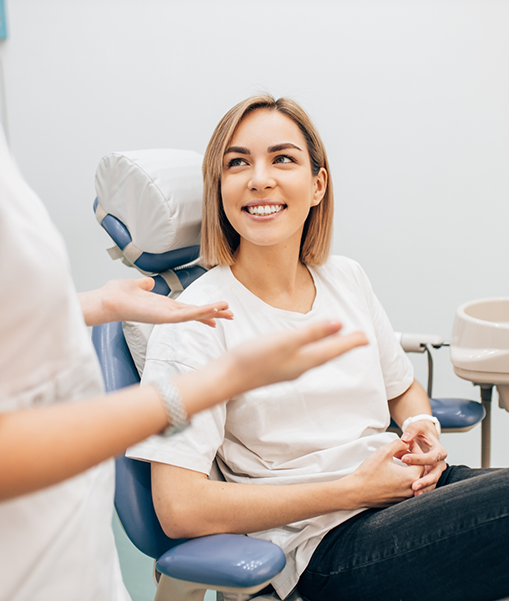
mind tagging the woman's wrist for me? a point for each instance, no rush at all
(424, 417)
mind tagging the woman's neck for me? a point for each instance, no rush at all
(275, 275)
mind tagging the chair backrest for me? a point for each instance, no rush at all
(149, 202)
(133, 496)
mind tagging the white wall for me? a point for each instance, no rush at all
(411, 98)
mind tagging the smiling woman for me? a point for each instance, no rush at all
(309, 464)
(227, 154)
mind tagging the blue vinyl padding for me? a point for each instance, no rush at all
(114, 356)
(154, 263)
(455, 414)
(240, 561)
(160, 286)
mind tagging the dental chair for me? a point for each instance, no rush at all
(163, 188)
(149, 202)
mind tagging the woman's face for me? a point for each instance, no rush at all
(267, 185)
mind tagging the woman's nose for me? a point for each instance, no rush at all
(261, 178)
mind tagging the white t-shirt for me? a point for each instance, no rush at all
(317, 428)
(56, 543)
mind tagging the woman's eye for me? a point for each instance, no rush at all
(236, 162)
(284, 159)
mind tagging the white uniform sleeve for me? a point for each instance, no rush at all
(172, 350)
(398, 372)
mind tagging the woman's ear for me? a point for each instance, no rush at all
(320, 186)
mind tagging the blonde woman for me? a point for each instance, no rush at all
(309, 464)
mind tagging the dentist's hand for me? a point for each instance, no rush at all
(263, 361)
(424, 450)
(287, 355)
(131, 300)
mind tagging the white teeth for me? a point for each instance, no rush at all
(264, 209)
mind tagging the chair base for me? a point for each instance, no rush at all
(171, 589)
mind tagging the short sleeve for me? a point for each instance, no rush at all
(398, 372)
(173, 349)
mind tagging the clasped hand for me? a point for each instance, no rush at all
(381, 480)
(424, 450)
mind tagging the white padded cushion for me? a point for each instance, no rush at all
(137, 335)
(156, 194)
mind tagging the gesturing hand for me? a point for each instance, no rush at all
(263, 361)
(286, 355)
(131, 300)
(425, 450)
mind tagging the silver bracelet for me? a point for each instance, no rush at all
(175, 411)
(424, 416)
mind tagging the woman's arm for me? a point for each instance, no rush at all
(422, 436)
(42, 446)
(188, 504)
(131, 300)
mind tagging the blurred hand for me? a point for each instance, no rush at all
(131, 300)
(287, 355)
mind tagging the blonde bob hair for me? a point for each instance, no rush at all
(219, 240)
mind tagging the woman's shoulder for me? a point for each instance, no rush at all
(345, 272)
(209, 287)
(341, 265)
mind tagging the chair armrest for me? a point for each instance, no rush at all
(223, 560)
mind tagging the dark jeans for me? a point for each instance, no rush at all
(446, 545)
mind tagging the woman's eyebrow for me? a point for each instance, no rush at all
(270, 149)
(239, 149)
(283, 146)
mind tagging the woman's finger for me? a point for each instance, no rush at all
(432, 457)
(421, 491)
(430, 478)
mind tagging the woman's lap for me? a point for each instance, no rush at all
(445, 545)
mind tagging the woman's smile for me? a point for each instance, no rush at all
(264, 209)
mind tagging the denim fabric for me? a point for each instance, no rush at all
(446, 545)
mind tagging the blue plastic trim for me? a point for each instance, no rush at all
(154, 263)
(160, 286)
(186, 277)
(223, 560)
(168, 260)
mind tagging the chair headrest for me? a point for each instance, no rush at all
(149, 201)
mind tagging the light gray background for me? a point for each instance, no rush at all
(411, 98)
